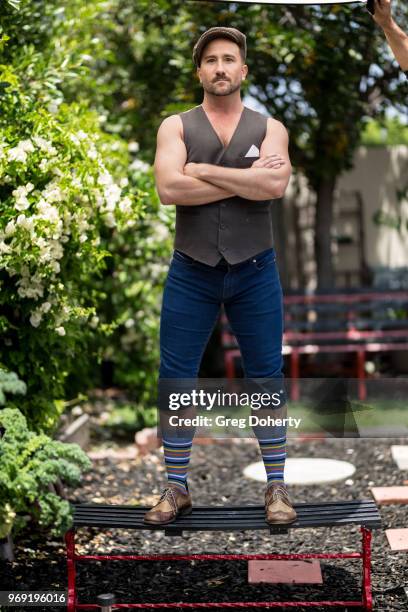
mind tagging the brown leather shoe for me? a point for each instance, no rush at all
(278, 507)
(172, 503)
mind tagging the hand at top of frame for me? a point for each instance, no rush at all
(382, 14)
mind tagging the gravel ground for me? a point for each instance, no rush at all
(215, 477)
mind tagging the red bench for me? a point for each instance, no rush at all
(360, 323)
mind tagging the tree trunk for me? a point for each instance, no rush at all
(323, 228)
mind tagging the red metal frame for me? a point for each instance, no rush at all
(366, 602)
(370, 341)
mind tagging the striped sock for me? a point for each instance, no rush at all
(176, 458)
(273, 452)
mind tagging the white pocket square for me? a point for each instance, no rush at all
(253, 152)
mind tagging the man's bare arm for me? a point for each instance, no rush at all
(173, 186)
(253, 183)
(396, 37)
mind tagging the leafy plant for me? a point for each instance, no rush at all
(30, 464)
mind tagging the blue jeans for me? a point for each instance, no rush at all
(252, 296)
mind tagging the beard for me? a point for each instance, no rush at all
(226, 89)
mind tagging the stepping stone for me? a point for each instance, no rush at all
(306, 471)
(400, 456)
(398, 539)
(390, 495)
(285, 572)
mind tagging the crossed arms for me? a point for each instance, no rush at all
(194, 184)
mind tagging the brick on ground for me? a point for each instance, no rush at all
(399, 453)
(397, 539)
(285, 571)
(390, 495)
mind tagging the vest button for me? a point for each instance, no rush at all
(223, 226)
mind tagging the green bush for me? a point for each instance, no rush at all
(30, 464)
(61, 205)
(84, 241)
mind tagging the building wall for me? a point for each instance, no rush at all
(380, 174)
(379, 181)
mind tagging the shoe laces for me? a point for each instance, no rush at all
(278, 491)
(168, 494)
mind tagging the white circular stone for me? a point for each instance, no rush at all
(299, 471)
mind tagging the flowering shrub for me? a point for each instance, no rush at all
(64, 192)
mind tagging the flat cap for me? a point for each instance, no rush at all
(218, 32)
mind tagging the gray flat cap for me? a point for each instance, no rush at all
(218, 32)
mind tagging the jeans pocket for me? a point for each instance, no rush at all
(264, 261)
(183, 258)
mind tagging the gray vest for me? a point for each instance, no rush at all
(235, 228)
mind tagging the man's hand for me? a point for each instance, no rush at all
(192, 169)
(382, 13)
(269, 161)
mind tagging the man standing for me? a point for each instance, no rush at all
(397, 38)
(221, 164)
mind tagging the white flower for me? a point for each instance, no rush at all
(52, 106)
(133, 146)
(35, 318)
(47, 211)
(44, 164)
(109, 219)
(161, 232)
(94, 321)
(74, 139)
(105, 178)
(45, 306)
(22, 203)
(83, 238)
(60, 330)
(124, 182)
(92, 153)
(52, 192)
(81, 134)
(4, 248)
(20, 195)
(41, 142)
(125, 205)
(26, 145)
(45, 145)
(25, 222)
(138, 164)
(29, 287)
(76, 182)
(10, 228)
(16, 154)
(112, 195)
(129, 322)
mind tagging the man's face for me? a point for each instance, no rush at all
(222, 70)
